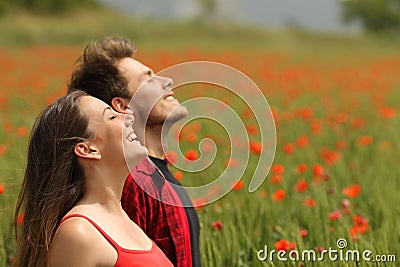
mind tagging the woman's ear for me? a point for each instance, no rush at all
(120, 104)
(87, 150)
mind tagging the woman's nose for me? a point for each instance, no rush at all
(129, 119)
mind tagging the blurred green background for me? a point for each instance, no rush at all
(195, 22)
(329, 69)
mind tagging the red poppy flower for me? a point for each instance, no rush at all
(217, 225)
(22, 131)
(207, 146)
(247, 113)
(252, 129)
(329, 156)
(360, 225)
(359, 220)
(3, 100)
(288, 148)
(318, 170)
(192, 155)
(365, 140)
(2, 189)
(346, 203)
(20, 218)
(199, 203)
(191, 137)
(276, 179)
(387, 112)
(302, 141)
(3, 149)
(306, 113)
(179, 136)
(178, 175)
(171, 157)
(239, 185)
(278, 195)
(284, 245)
(302, 168)
(335, 215)
(352, 191)
(278, 168)
(196, 126)
(256, 147)
(301, 185)
(310, 202)
(316, 127)
(303, 232)
(354, 230)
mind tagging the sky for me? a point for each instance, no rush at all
(315, 15)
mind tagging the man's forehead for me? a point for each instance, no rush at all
(133, 64)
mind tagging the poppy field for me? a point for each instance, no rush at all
(334, 177)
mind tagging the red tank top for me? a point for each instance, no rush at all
(129, 257)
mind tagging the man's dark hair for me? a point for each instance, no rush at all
(96, 71)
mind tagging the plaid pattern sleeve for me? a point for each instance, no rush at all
(165, 224)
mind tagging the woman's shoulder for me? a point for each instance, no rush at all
(73, 233)
(74, 229)
(75, 243)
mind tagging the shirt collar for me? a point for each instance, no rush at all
(146, 166)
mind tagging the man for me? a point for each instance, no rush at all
(165, 212)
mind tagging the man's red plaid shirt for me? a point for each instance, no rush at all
(165, 224)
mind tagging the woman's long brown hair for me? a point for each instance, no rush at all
(53, 180)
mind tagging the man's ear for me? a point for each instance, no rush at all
(87, 150)
(120, 104)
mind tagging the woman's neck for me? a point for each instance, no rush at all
(103, 188)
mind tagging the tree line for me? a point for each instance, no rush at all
(373, 15)
(44, 6)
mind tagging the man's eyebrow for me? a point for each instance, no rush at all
(107, 108)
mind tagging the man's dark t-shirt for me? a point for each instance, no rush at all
(193, 220)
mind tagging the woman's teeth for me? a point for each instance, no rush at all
(131, 137)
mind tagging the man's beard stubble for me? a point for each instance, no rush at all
(157, 119)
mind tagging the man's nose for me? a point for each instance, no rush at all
(167, 82)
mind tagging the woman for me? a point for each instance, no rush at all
(72, 188)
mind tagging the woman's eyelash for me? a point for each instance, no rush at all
(113, 117)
